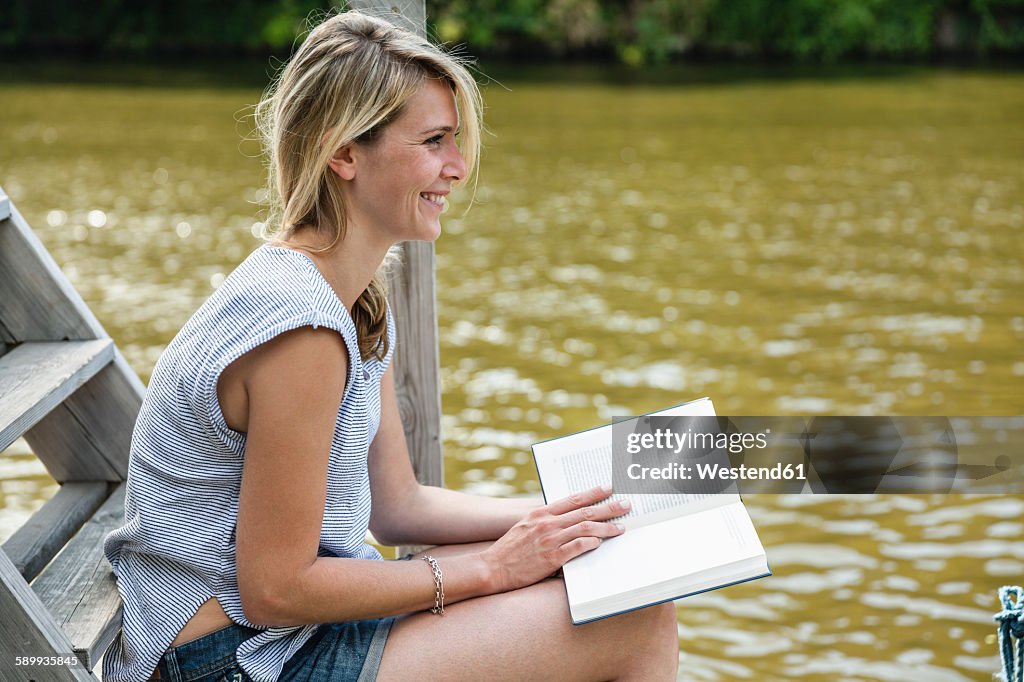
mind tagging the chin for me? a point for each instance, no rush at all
(430, 235)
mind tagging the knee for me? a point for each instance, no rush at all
(664, 623)
(653, 640)
(653, 628)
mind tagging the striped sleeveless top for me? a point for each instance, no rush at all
(176, 548)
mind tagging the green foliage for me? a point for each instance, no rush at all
(635, 32)
(489, 24)
(159, 25)
(827, 30)
(654, 31)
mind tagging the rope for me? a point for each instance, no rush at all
(1011, 626)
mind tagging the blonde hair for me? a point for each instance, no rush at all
(351, 76)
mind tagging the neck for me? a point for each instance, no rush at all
(348, 266)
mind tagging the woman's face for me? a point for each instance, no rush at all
(401, 180)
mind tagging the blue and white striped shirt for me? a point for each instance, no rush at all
(176, 549)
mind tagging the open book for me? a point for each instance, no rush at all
(675, 545)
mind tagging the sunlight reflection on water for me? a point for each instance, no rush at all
(802, 247)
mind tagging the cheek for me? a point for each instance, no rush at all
(421, 170)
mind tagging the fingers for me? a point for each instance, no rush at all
(573, 549)
(583, 528)
(601, 512)
(580, 499)
(551, 535)
(589, 529)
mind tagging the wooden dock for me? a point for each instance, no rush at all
(67, 389)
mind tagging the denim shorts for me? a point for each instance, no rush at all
(337, 652)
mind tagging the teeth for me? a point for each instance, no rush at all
(436, 198)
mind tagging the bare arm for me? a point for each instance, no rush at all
(293, 387)
(405, 512)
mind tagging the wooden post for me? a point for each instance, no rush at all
(414, 304)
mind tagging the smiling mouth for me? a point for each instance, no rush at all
(437, 200)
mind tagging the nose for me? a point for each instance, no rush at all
(454, 168)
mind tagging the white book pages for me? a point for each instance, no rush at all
(583, 460)
(662, 553)
(674, 544)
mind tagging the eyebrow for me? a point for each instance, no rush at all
(443, 129)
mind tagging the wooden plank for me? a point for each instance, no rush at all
(414, 305)
(417, 373)
(78, 586)
(41, 537)
(38, 302)
(88, 436)
(28, 629)
(36, 377)
(6, 337)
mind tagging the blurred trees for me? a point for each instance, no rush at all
(639, 31)
(632, 31)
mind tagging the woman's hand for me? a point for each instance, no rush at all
(551, 535)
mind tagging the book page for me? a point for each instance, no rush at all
(584, 460)
(654, 555)
(587, 468)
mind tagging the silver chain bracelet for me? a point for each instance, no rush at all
(438, 585)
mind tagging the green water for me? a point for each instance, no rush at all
(784, 245)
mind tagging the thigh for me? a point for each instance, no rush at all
(525, 634)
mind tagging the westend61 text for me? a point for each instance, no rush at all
(703, 471)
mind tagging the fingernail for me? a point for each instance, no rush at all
(626, 504)
(606, 488)
(620, 527)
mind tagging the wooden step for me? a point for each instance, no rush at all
(78, 586)
(38, 301)
(41, 537)
(87, 438)
(36, 377)
(28, 629)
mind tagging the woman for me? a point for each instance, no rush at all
(270, 439)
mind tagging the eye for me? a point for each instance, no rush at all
(435, 140)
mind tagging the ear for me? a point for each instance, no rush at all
(343, 163)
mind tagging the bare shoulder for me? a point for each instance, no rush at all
(304, 364)
(302, 367)
(304, 351)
